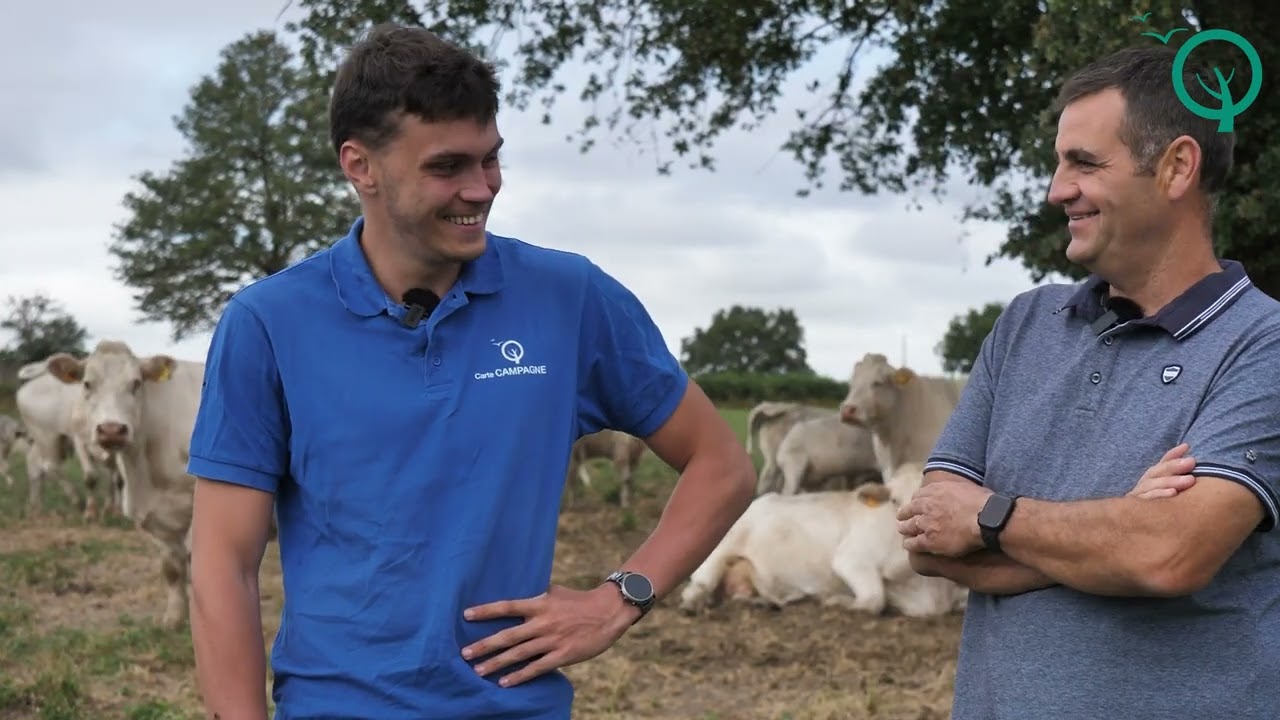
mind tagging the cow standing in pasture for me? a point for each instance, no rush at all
(819, 450)
(905, 412)
(623, 450)
(767, 424)
(140, 412)
(12, 438)
(48, 409)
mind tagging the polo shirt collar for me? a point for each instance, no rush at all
(1185, 314)
(359, 289)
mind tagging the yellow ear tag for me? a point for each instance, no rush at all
(164, 373)
(873, 495)
(902, 376)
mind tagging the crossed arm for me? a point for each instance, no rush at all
(1125, 546)
(982, 571)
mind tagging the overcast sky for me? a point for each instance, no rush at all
(91, 100)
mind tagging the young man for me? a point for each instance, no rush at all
(407, 401)
(1094, 602)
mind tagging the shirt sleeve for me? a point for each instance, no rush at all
(629, 379)
(1236, 434)
(241, 433)
(962, 446)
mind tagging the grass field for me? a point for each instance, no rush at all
(80, 602)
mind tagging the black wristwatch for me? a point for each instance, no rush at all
(635, 589)
(993, 517)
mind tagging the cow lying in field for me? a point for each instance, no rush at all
(841, 548)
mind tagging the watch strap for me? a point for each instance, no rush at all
(990, 538)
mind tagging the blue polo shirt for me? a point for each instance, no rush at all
(1063, 404)
(418, 470)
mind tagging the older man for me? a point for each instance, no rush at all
(1089, 601)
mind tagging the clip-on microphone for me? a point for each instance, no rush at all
(1119, 310)
(421, 302)
(1105, 322)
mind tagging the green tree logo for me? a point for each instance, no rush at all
(1231, 107)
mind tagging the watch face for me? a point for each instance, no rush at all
(993, 513)
(637, 586)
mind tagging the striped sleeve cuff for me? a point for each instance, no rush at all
(1270, 504)
(953, 465)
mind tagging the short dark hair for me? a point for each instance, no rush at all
(395, 70)
(1154, 116)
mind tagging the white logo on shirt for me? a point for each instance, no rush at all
(513, 352)
(1171, 373)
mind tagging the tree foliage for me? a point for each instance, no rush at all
(967, 93)
(747, 340)
(41, 327)
(961, 342)
(258, 189)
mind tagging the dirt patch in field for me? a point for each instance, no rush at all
(86, 577)
(737, 660)
(805, 662)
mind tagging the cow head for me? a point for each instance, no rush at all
(873, 390)
(113, 379)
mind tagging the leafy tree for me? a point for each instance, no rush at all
(259, 189)
(747, 340)
(41, 328)
(969, 87)
(960, 344)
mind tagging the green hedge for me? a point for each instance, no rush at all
(749, 388)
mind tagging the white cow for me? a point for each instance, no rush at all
(47, 408)
(767, 424)
(820, 449)
(905, 412)
(841, 548)
(142, 411)
(12, 438)
(623, 450)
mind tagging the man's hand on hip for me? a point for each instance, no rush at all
(561, 627)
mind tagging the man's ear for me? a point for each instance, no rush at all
(1178, 171)
(356, 161)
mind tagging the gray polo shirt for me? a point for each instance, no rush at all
(1059, 407)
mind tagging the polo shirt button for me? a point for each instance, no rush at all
(1096, 378)
(1108, 340)
(436, 361)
